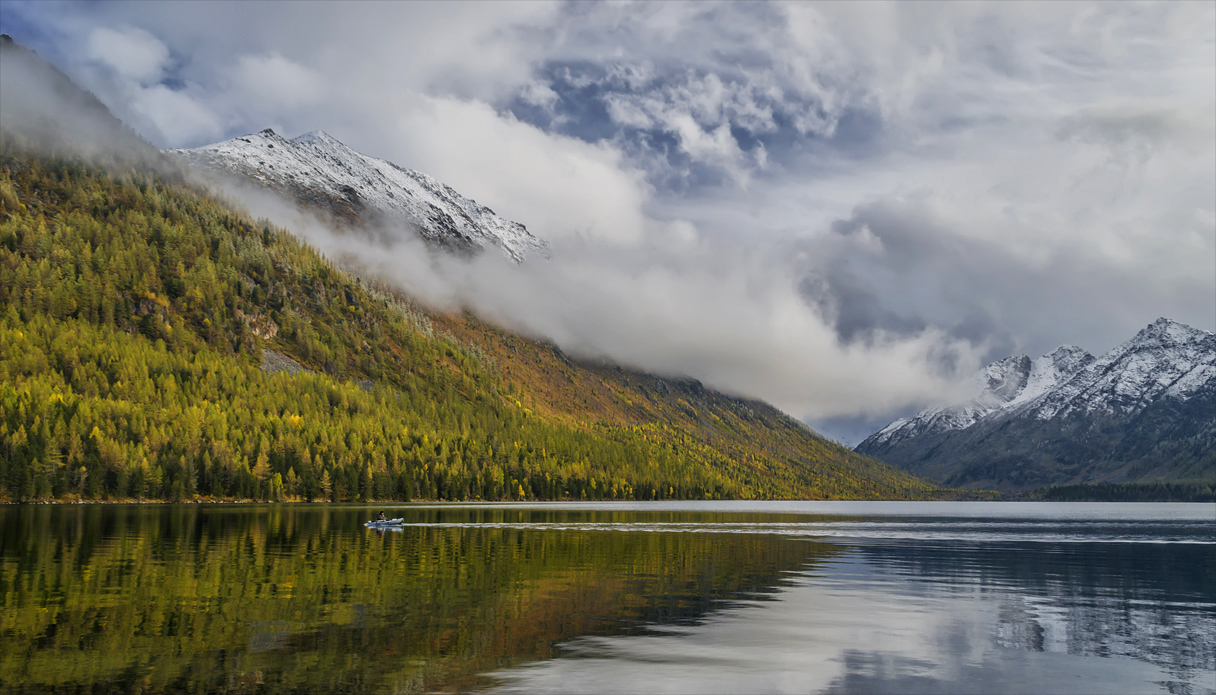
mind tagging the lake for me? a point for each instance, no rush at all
(679, 597)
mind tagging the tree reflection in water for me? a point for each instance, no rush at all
(300, 598)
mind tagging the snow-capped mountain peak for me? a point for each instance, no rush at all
(1165, 358)
(1166, 361)
(318, 170)
(318, 136)
(1000, 387)
(1167, 332)
(1143, 411)
(1004, 379)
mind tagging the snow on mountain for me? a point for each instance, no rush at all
(1166, 359)
(1000, 387)
(1051, 370)
(1143, 412)
(318, 170)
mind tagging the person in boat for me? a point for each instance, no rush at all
(382, 517)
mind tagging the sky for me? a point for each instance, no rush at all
(841, 208)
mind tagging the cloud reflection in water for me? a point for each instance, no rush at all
(930, 617)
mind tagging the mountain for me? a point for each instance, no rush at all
(157, 343)
(1001, 387)
(41, 107)
(1143, 412)
(316, 170)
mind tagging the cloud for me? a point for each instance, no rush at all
(276, 83)
(901, 264)
(132, 53)
(560, 186)
(538, 94)
(700, 113)
(176, 115)
(135, 74)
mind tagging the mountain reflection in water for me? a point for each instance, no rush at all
(667, 597)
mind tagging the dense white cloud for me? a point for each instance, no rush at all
(132, 53)
(559, 186)
(276, 83)
(897, 176)
(176, 115)
(128, 67)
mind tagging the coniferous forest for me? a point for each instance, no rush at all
(155, 343)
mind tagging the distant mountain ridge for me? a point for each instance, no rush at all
(1144, 411)
(318, 171)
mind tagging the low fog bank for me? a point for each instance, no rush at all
(736, 319)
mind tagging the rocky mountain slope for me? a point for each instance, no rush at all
(319, 172)
(1145, 411)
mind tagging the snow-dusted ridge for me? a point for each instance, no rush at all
(1165, 360)
(317, 169)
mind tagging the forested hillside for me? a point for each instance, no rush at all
(139, 315)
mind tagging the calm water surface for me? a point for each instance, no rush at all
(735, 597)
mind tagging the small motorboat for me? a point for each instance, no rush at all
(387, 523)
